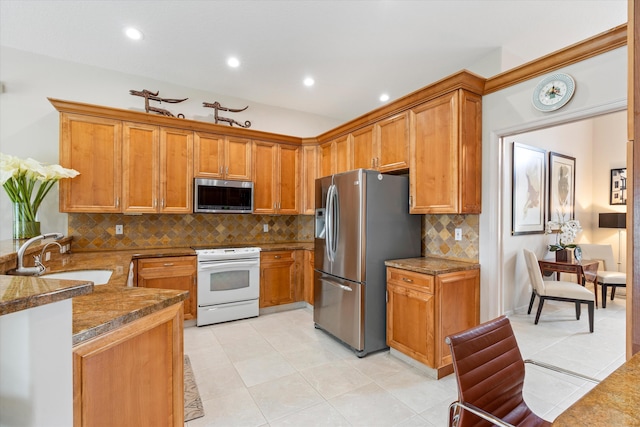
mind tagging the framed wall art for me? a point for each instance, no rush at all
(562, 187)
(618, 195)
(528, 195)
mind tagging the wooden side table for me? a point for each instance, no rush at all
(585, 271)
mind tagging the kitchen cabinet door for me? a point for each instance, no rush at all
(237, 158)
(265, 155)
(309, 172)
(208, 155)
(343, 147)
(133, 375)
(276, 173)
(327, 159)
(307, 272)
(176, 172)
(157, 165)
(171, 273)
(93, 147)
(364, 149)
(222, 157)
(411, 314)
(277, 278)
(393, 143)
(445, 170)
(141, 163)
(288, 179)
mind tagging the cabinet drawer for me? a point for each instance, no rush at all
(276, 256)
(167, 262)
(410, 278)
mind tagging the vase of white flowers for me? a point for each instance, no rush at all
(566, 233)
(27, 182)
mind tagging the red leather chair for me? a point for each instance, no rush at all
(490, 373)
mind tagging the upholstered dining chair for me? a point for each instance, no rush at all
(609, 276)
(556, 290)
(490, 375)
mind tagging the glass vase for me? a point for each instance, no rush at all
(23, 227)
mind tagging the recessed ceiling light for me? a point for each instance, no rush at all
(384, 97)
(133, 33)
(233, 62)
(308, 81)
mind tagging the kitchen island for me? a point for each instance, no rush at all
(126, 345)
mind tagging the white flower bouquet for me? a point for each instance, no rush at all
(27, 182)
(567, 232)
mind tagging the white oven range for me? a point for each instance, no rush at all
(228, 284)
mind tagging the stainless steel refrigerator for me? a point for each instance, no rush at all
(361, 219)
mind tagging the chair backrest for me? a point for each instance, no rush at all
(599, 252)
(489, 371)
(535, 275)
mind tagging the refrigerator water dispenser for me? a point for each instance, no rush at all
(320, 223)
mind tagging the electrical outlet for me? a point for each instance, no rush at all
(458, 233)
(265, 228)
(47, 256)
(119, 229)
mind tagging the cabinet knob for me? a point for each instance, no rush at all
(405, 279)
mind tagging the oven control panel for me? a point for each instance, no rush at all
(228, 252)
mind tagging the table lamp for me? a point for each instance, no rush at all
(614, 220)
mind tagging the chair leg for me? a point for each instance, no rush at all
(590, 306)
(577, 311)
(533, 297)
(613, 292)
(604, 294)
(540, 304)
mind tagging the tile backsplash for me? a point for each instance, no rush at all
(92, 232)
(98, 231)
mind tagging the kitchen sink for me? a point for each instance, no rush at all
(98, 277)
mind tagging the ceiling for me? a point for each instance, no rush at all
(355, 50)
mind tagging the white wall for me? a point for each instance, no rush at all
(575, 140)
(29, 124)
(600, 87)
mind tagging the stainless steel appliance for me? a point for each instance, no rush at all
(228, 284)
(362, 219)
(220, 196)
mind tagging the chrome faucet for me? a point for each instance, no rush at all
(39, 267)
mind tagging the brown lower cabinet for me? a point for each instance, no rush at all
(423, 309)
(132, 376)
(307, 274)
(279, 277)
(179, 272)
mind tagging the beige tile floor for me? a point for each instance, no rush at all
(278, 370)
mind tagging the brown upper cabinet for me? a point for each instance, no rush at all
(446, 154)
(276, 178)
(383, 146)
(222, 157)
(92, 146)
(308, 174)
(157, 169)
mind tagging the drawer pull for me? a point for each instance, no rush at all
(277, 257)
(168, 264)
(407, 280)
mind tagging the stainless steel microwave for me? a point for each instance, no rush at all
(220, 196)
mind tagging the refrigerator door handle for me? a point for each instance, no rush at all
(329, 223)
(335, 283)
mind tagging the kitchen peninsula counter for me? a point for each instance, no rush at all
(432, 265)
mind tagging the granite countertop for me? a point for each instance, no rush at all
(432, 265)
(613, 402)
(109, 306)
(20, 292)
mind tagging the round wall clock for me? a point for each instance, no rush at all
(553, 92)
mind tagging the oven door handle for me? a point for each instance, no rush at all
(217, 265)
